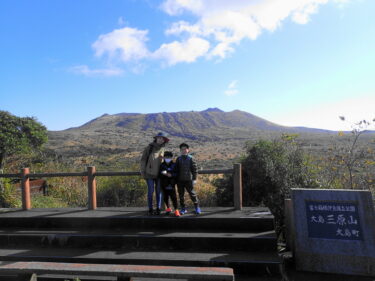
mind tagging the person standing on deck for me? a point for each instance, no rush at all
(168, 182)
(186, 178)
(151, 159)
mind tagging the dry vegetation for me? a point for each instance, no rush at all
(217, 140)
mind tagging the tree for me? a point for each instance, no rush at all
(350, 162)
(19, 135)
(271, 169)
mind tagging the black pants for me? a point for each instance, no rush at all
(170, 192)
(188, 185)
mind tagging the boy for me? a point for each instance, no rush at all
(186, 178)
(168, 182)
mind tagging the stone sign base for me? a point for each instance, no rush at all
(333, 231)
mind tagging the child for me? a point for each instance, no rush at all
(186, 178)
(168, 181)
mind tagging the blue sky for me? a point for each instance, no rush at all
(295, 63)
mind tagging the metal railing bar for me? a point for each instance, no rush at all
(216, 172)
(10, 176)
(101, 174)
(53, 175)
(109, 174)
(91, 175)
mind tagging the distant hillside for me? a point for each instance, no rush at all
(193, 125)
(212, 132)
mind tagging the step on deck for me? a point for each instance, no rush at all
(249, 219)
(123, 271)
(136, 240)
(241, 262)
(244, 240)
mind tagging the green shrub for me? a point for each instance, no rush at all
(121, 191)
(41, 201)
(224, 191)
(9, 196)
(269, 170)
(71, 191)
(206, 192)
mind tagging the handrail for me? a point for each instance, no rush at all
(57, 175)
(10, 175)
(103, 174)
(91, 175)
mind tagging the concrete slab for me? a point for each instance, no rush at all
(334, 231)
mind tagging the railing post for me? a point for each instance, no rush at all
(237, 184)
(91, 181)
(25, 185)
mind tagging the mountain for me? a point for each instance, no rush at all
(212, 132)
(211, 122)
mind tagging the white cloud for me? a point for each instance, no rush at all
(126, 44)
(221, 50)
(186, 51)
(214, 32)
(343, 3)
(184, 26)
(121, 21)
(233, 84)
(229, 22)
(326, 116)
(232, 88)
(176, 7)
(85, 70)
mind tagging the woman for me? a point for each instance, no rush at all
(152, 157)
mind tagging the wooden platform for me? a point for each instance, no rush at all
(219, 237)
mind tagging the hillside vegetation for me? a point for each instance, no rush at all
(216, 137)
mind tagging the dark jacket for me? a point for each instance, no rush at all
(170, 168)
(186, 168)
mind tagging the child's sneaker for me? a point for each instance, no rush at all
(150, 212)
(198, 210)
(157, 212)
(183, 211)
(168, 211)
(177, 213)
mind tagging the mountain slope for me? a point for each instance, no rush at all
(192, 124)
(211, 130)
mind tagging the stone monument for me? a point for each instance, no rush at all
(333, 231)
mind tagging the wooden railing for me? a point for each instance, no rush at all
(91, 175)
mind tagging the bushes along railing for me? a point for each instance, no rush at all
(91, 175)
